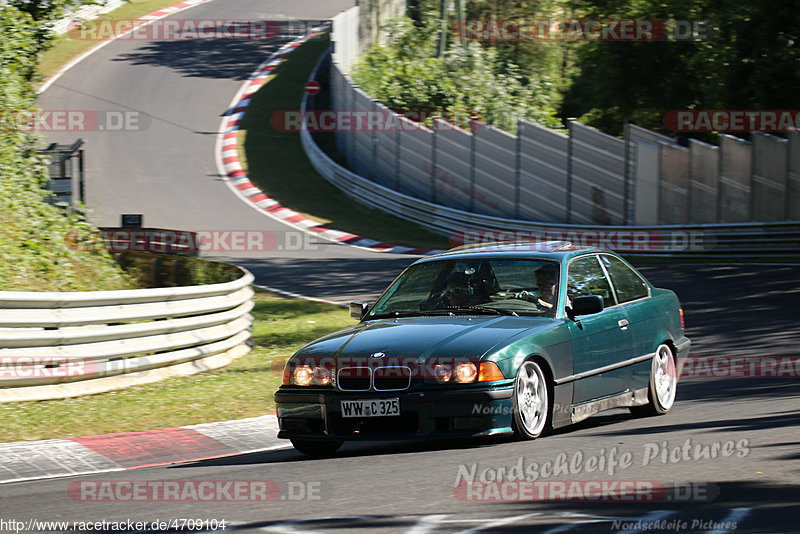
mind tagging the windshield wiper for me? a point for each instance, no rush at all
(495, 311)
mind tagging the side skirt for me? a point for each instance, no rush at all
(637, 397)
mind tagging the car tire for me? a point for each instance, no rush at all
(316, 449)
(531, 401)
(663, 384)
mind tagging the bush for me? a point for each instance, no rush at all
(407, 75)
(35, 249)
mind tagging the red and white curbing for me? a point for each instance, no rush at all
(239, 183)
(155, 15)
(55, 458)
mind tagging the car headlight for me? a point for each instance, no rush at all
(303, 375)
(322, 376)
(467, 373)
(306, 375)
(442, 373)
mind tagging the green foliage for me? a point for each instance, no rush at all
(49, 10)
(549, 62)
(36, 238)
(753, 62)
(204, 272)
(37, 16)
(407, 75)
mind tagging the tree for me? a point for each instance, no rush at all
(409, 74)
(753, 62)
(34, 250)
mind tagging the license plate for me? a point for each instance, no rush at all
(370, 407)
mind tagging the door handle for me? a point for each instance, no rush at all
(623, 323)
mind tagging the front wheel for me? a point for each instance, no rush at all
(531, 401)
(663, 384)
(316, 449)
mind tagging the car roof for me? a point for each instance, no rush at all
(548, 250)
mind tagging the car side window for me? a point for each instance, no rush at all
(586, 277)
(628, 285)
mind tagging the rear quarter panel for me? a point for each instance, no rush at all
(653, 321)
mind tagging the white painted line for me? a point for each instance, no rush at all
(63, 475)
(427, 523)
(498, 523)
(299, 296)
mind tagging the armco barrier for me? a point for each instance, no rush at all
(85, 12)
(760, 239)
(62, 344)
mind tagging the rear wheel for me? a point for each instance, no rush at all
(663, 384)
(531, 401)
(317, 449)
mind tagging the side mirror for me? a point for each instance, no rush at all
(586, 305)
(358, 310)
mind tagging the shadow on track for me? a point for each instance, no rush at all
(219, 58)
(337, 279)
(735, 310)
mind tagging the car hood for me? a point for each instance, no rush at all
(425, 337)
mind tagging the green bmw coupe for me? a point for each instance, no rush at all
(489, 340)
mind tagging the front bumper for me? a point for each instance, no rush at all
(307, 413)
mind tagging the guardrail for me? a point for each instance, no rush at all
(759, 239)
(85, 12)
(59, 344)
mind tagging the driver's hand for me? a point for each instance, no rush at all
(525, 295)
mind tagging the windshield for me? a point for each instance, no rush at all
(497, 286)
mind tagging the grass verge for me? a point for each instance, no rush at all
(64, 48)
(276, 163)
(242, 389)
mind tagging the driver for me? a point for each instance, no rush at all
(457, 292)
(546, 282)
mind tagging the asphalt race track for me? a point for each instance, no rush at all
(738, 472)
(740, 465)
(165, 168)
